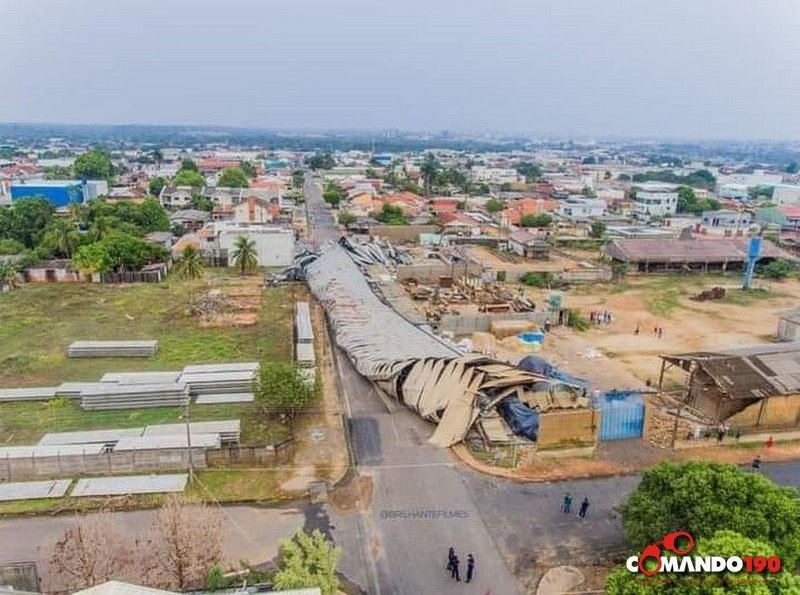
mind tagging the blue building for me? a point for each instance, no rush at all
(383, 159)
(59, 192)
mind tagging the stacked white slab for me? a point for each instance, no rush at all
(132, 484)
(304, 331)
(105, 437)
(39, 393)
(214, 379)
(72, 390)
(141, 377)
(33, 490)
(304, 353)
(229, 430)
(110, 395)
(223, 399)
(37, 451)
(167, 441)
(112, 348)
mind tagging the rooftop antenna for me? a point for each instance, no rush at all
(753, 252)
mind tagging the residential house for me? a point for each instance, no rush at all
(190, 219)
(580, 208)
(516, 210)
(786, 194)
(411, 204)
(727, 220)
(221, 195)
(654, 199)
(363, 204)
(460, 224)
(274, 244)
(529, 245)
(133, 194)
(443, 205)
(253, 209)
(176, 196)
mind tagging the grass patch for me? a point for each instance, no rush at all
(662, 301)
(37, 323)
(741, 297)
(501, 456)
(69, 505)
(237, 485)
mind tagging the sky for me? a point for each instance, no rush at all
(570, 68)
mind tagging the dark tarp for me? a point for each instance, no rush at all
(522, 420)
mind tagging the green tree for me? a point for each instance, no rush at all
(91, 259)
(686, 199)
(597, 229)
(332, 194)
(249, 168)
(495, 206)
(282, 388)
(156, 184)
(187, 177)
(152, 216)
(10, 276)
(201, 203)
(531, 171)
(533, 279)
(188, 165)
(346, 219)
(11, 246)
(26, 220)
(321, 161)
(722, 543)
(390, 215)
(93, 165)
(233, 177)
(244, 254)
(792, 168)
(703, 498)
(308, 560)
(125, 252)
(540, 220)
(298, 177)
(190, 265)
(777, 270)
(428, 170)
(588, 192)
(61, 238)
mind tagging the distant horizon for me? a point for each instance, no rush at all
(533, 137)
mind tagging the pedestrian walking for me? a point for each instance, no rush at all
(737, 433)
(756, 465)
(770, 442)
(451, 553)
(584, 508)
(470, 567)
(454, 568)
(720, 434)
(636, 330)
(660, 332)
(567, 505)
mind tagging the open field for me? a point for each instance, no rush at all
(741, 318)
(37, 322)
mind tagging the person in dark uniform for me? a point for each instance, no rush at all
(454, 568)
(451, 553)
(470, 567)
(584, 508)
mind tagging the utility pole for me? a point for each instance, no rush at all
(189, 439)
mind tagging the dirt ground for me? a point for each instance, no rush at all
(627, 359)
(513, 263)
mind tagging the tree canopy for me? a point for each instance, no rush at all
(494, 206)
(308, 560)
(332, 194)
(282, 388)
(689, 203)
(391, 215)
(703, 498)
(244, 254)
(189, 177)
(233, 177)
(701, 178)
(540, 220)
(597, 229)
(93, 165)
(321, 161)
(25, 220)
(156, 184)
(531, 171)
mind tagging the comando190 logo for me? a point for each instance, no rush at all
(651, 561)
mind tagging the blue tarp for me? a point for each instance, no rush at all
(522, 420)
(539, 365)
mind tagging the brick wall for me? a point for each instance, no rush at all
(568, 428)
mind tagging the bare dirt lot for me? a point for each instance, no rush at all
(614, 351)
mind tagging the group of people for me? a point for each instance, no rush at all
(658, 331)
(566, 506)
(601, 317)
(454, 565)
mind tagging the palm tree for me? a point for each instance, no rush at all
(9, 276)
(60, 236)
(190, 266)
(428, 170)
(244, 254)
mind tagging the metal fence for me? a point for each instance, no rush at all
(622, 415)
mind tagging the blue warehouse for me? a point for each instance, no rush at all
(59, 192)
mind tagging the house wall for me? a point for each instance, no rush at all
(401, 233)
(777, 411)
(575, 427)
(788, 331)
(275, 249)
(34, 275)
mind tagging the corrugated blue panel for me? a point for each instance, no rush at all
(60, 196)
(622, 416)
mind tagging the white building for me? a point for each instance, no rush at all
(578, 207)
(786, 194)
(733, 191)
(654, 199)
(274, 244)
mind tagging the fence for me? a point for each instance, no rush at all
(470, 323)
(149, 274)
(167, 459)
(250, 455)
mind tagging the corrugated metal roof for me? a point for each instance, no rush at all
(697, 250)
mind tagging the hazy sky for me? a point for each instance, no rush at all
(669, 68)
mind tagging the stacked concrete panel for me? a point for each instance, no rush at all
(141, 377)
(219, 382)
(134, 396)
(229, 431)
(167, 441)
(224, 398)
(304, 354)
(48, 450)
(132, 484)
(33, 490)
(112, 348)
(304, 331)
(39, 393)
(105, 437)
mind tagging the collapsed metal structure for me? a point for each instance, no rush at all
(409, 362)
